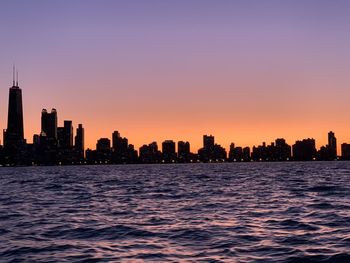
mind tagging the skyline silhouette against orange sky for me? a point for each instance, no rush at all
(244, 71)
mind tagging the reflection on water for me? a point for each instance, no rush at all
(248, 212)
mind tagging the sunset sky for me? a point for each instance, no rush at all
(245, 71)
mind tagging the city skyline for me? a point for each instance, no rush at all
(246, 72)
(58, 145)
(20, 124)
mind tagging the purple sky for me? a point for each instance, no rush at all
(246, 71)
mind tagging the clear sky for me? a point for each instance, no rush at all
(245, 71)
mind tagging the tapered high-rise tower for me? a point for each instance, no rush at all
(14, 133)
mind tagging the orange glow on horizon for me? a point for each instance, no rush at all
(241, 72)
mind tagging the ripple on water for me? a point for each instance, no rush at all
(239, 212)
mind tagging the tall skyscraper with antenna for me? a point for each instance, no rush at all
(14, 134)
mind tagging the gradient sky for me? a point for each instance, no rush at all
(245, 71)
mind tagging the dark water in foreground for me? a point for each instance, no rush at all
(250, 212)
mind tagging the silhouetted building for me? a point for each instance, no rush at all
(45, 145)
(36, 139)
(246, 154)
(102, 153)
(132, 154)
(120, 144)
(150, 153)
(208, 142)
(153, 147)
(304, 150)
(235, 154)
(15, 151)
(49, 123)
(46, 150)
(60, 136)
(239, 154)
(332, 146)
(115, 140)
(14, 134)
(282, 151)
(2, 155)
(323, 154)
(144, 154)
(345, 151)
(103, 145)
(68, 132)
(328, 152)
(168, 151)
(259, 153)
(123, 152)
(91, 156)
(79, 141)
(276, 151)
(65, 135)
(183, 152)
(211, 152)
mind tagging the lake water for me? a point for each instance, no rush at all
(234, 212)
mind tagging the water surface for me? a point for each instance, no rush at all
(234, 212)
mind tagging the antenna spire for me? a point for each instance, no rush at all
(13, 74)
(17, 78)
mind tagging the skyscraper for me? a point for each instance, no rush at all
(168, 151)
(168, 147)
(14, 134)
(211, 151)
(332, 145)
(68, 131)
(65, 135)
(49, 123)
(119, 144)
(103, 145)
(282, 151)
(208, 142)
(115, 139)
(183, 148)
(304, 150)
(79, 140)
(183, 151)
(345, 151)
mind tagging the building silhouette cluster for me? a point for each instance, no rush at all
(56, 145)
